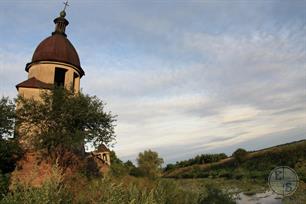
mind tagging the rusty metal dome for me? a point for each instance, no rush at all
(57, 48)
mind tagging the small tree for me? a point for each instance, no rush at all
(62, 120)
(240, 155)
(149, 164)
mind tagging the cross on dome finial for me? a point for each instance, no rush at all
(61, 22)
(66, 4)
(63, 12)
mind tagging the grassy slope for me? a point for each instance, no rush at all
(253, 155)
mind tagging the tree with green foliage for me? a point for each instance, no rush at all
(10, 151)
(9, 148)
(199, 159)
(114, 159)
(149, 164)
(117, 167)
(62, 119)
(129, 165)
(7, 117)
(169, 167)
(240, 155)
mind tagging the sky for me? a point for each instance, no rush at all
(183, 77)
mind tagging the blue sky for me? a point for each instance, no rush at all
(184, 77)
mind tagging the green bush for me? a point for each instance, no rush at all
(10, 153)
(4, 184)
(240, 155)
(224, 173)
(300, 168)
(136, 172)
(213, 195)
(117, 168)
(239, 173)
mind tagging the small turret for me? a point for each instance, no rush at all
(60, 24)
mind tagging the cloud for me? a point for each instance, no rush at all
(11, 71)
(246, 81)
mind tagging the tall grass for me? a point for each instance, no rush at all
(52, 191)
(139, 191)
(110, 190)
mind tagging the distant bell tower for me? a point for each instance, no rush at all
(55, 62)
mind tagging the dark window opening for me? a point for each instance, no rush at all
(59, 77)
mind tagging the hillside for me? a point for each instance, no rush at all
(257, 164)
